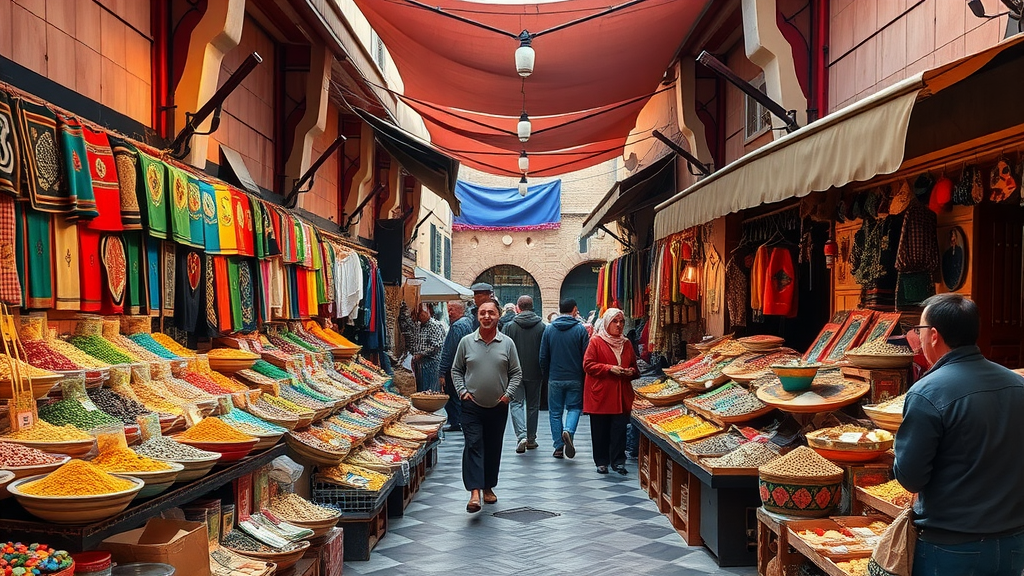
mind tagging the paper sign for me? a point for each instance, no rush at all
(851, 437)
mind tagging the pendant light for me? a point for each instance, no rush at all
(524, 162)
(525, 55)
(522, 186)
(523, 128)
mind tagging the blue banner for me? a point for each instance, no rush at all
(485, 208)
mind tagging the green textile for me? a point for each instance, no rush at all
(153, 195)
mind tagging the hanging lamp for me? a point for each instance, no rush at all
(524, 162)
(523, 186)
(525, 54)
(523, 128)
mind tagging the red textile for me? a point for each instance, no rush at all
(243, 223)
(104, 181)
(604, 392)
(302, 291)
(90, 266)
(780, 285)
(222, 289)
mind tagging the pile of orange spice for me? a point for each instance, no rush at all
(214, 430)
(125, 460)
(77, 478)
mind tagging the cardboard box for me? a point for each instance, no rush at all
(176, 542)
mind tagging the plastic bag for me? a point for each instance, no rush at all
(894, 555)
(285, 471)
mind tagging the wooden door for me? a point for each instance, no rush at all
(996, 272)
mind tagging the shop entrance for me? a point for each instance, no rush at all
(580, 284)
(510, 282)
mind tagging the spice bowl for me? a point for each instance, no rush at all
(41, 386)
(24, 471)
(74, 509)
(267, 441)
(5, 477)
(796, 377)
(193, 469)
(284, 560)
(158, 480)
(229, 451)
(319, 527)
(72, 448)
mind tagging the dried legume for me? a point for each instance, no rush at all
(98, 347)
(146, 341)
(75, 355)
(43, 431)
(231, 354)
(239, 416)
(121, 407)
(172, 345)
(163, 448)
(213, 430)
(124, 460)
(292, 506)
(16, 456)
(41, 355)
(749, 455)
(27, 370)
(69, 411)
(270, 371)
(77, 478)
(802, 462)
(203, 382)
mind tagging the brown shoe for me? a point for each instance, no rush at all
(489, 496)
(474, 502)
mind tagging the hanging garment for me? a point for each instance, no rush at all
(153, 290)
(235, 294)
(226, 220)
(10, 151)
(277, 287)
(918, 250)
(177, 181)
(301, 291)
(736, 294)
(115, 273)
(91, 281)
(67, 264)
(135, 293)
(247, 294)
(263, 289)
(312, 302)
(209, 296)
(714, 281)
(272, 228)
(105, 186)
(243, 223)
(126, 158)
(211, 228)
(222, 297)
(41, 158)
(259, 239)
(196, 226)
(189, 292)
(169, 264)
(10, 286)
(80, 201)
(153, 195)
(38, 255)
(758, 272)
(292, 298)
(780, 285)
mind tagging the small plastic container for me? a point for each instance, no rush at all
(96, 563)
(143, 569)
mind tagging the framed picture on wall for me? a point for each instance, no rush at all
(953, 245)
(850, 334)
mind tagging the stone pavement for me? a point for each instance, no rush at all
(604, 525)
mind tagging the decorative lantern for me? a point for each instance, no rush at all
(525, 55)
(524, 162)
(690, 273)
(831, 251)
(523, 128)
(522, 186)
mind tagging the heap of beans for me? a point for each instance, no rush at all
(240, 541)
(75, 355)
(77, 478)
(880, 347)
(39, 354)
(231, 354)
(146, 341)
(802, 462)
(270, 371)
(267, 410)
(70, 411)
(292, 395)
(121, 407)
(203, 382)
(749, 455)
(16, 456)
(27, 370)
(717, 445)
(43, 431)
(285, 345)
(314, 440)
(305, 389)
(124, 460)
(213, 430)
(172, 345)
(183, 389)
(130, 347)
(163, 448)
(242, 417)
(97, 347)
(293, 506)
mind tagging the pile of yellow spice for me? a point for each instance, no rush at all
(43, 431)
(214, 430)
(125, 460)
(77, 478)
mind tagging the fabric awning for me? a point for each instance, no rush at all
(432, 168)
(648, 187)
(854, 144)
(436, 288)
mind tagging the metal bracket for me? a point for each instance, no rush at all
(718, 67)
(625, 244)
(293, 196)
(691, 160)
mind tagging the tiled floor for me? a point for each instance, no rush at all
(605, 524)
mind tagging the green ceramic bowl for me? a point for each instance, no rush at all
(796, 378)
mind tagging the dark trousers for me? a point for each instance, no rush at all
(608, 434)
(990, 557)
(454, 406)
(483, 429)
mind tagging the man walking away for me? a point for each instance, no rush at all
(562, 347)
(459, 325)
(958, 449)
(508, 313)
(486, 373)
(526, 330)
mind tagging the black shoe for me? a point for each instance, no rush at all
(570, 450)
(602, 469)
(452, 428)
(621, 470)
(557, 454)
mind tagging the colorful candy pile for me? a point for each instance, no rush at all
(27, 560)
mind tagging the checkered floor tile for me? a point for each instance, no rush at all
(605, 523)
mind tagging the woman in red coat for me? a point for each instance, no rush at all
(610, 366)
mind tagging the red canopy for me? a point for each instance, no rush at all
(590, 81)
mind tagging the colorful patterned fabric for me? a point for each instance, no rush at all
(153, 273)
(235, 294)
(67, 264)
(153, 195)
(312, 301)
(10, 287)
(10, 151)
(168, 262)
(81, 202)
(177, 183)
(189, 293)
(91, 280)
(247, 292)
(115, 273)
(259, 238)
(41, 165)
(126, 157)
(212, 325)
(196, 227)
(301, 294)
(135, 296)
(226, 220)
(211, 229)
(222, 295)
(243, 223)
(272, 228)
(38, 258)
(263, 289)
(105, 186)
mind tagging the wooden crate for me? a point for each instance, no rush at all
(644, 461)
(885, 384)
(773, 542)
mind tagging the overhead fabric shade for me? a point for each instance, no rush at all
(432, 168)
(644, 189)
(462, 78)
(854, 144)
(436, 288)
(486, 208)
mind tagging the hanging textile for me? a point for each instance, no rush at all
(714, 280)
(169, 264)
(243, 223)
(153, 248)
(126, 158)
(189, 291)
(312, 302)
(226, 219)
(211, 228)
(196, 225)
(736, 294)
(67, 263)
(235, 294)
(115, 272)
(10, 150)
(105, 186)
(487, 208)
(272, 228)
(41, 158)
(80, 199)
(38, 254)
(222, 293)
(247, 294)
(10, 286)
(210, 298)
(263, 289)
(181, 231)
(780, 285)
(91, 281)
(758, 272)
(259, 238)
(277, 286)
(135, 293)
(153, 196)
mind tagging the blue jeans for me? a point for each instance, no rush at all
(990, 557)
(567, 396)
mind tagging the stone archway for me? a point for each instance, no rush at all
(580, 284)
(510, 282)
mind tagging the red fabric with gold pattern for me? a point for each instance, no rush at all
(243, 223)
(222, 288)
(115, 274)
(105, 185)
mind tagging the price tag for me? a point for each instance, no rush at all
(851, 437)
(224, 403)
(192, 415)
(26, 420)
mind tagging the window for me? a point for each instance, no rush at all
(378, 51)
(436, 247)
(584, 244)
(447, 257)
(758, 118)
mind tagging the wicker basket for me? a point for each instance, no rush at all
(428, 402)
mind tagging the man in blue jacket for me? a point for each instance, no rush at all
(959, 447)
(459, 326)
(562, 347)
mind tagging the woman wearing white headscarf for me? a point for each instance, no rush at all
(610, 366)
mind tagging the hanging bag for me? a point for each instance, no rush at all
(894, 555)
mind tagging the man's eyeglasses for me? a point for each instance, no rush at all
(917, 329)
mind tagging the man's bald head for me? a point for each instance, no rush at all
(524, 303)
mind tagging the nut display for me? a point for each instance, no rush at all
(749, 455)
(891, 491)
(163, 448)
(17, 456)
(801, 462)
(41, 355)
(880, 347)
(121, 407)
(293, 506)
(43, 431)
(69, 411)
(99, 348)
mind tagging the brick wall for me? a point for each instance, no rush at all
(101, 49)
(548, 255)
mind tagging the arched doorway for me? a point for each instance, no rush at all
(510, 282)
(580, 284)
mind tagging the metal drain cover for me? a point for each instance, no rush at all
(525, 514)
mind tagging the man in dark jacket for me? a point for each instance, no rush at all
(958, 449)
(562, 347)
(459, 326)
(526, 329)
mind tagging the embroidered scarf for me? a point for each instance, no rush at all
(104, 181)
(226, 220)
(115, 274)
(211, 230)
(43, 179)
(126, 158)
(243, 223)
(196, 226)
(177, 181)
(67, 264)
(153, 196)
(10, 153)
(134, 298)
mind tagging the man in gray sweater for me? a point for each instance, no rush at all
(486, 373)
(526, 330)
